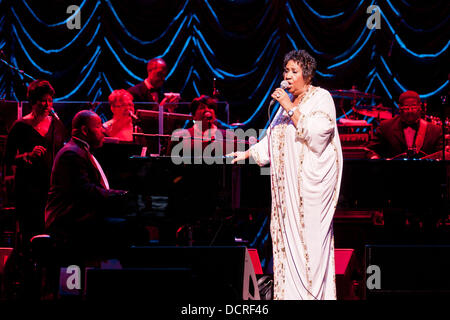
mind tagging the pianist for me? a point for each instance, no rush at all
(80, 199)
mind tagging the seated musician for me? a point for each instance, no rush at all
(407, 135)
(151, 89)
(121, 126)
(203, 133)
(80, 200)
(194, 191)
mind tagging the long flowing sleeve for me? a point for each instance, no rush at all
(316, 128)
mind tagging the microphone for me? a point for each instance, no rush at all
(133, 116)
(54, 114)
(283, 85)
(208, 115)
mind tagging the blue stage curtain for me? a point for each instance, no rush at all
(241, 43)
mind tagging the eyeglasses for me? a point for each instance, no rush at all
(125, 105)
(409, 108)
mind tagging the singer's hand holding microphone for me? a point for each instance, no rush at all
(281, 96)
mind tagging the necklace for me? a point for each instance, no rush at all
(302, 96)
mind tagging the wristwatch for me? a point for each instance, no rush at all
(291, 112)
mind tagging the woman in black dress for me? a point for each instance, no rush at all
(31, 146)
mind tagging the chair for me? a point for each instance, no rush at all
(42, 282)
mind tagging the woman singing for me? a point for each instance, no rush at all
(302, 145)
(31, 146)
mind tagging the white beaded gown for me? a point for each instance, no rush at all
(306, 169)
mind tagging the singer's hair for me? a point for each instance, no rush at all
(205, 100)
(38, 89)
(116, 94)
(306, 62)
(82, 118)
(154, 62)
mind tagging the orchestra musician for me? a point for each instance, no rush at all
(122, 125)
(407, 134)
(204, 131)
(151, 89)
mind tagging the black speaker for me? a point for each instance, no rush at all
(407, 270)
(180, 273)
(134, 284)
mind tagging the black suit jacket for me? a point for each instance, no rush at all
(76, 198)
(141, 93)
(391, 139)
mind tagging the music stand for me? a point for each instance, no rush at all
(163, 119)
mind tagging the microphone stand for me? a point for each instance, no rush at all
(443, 102)
(15, 70)
(446, 167)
